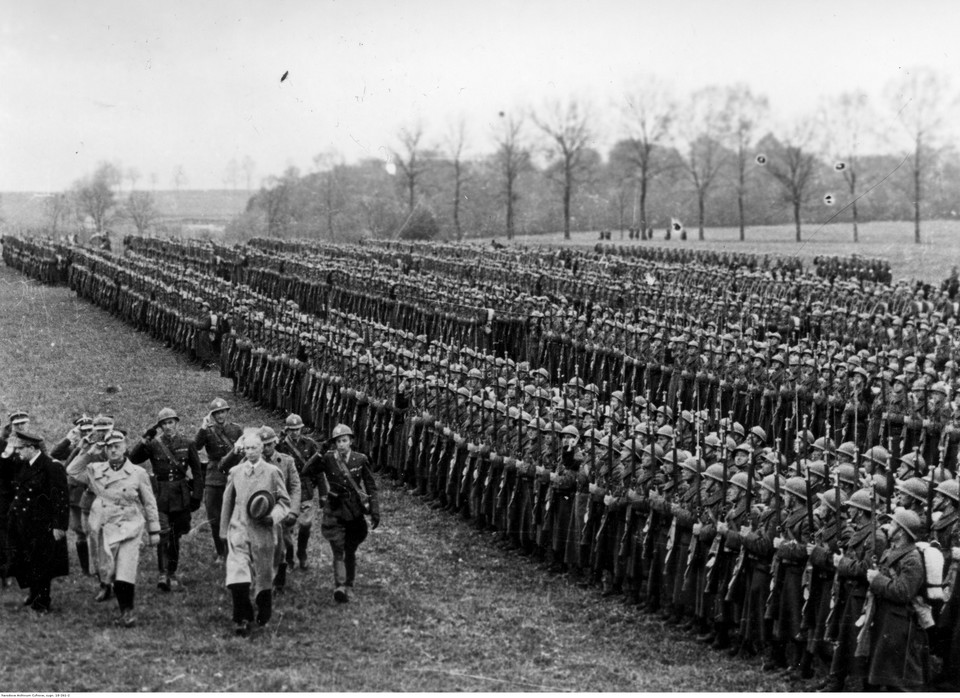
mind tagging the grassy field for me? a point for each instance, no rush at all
(437, 606)
(931, 260)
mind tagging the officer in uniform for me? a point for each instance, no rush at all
(37, 520)
(301, 448)
(123, 508)
(348, 493)
(218, 437)
(173, 457)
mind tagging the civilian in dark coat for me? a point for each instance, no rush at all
(37, 522)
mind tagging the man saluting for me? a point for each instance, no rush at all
(348, 492)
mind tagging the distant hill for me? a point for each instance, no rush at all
(209, 206)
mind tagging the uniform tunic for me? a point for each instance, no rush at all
(123, 507)
(40, 505)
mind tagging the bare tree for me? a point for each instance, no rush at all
(920, 99)
(566, 127)
(648, 113)
(133, 176)
(248, 167)
(331, 202)
(141, 210)
(746, 112)
(94, 196)
(791, 162)
(179, 177)
(276, 198)
(57, 208)
(410, 162)
(231, 175)
(511, 158)
(455, 143)
(703, 124)
(845, 121)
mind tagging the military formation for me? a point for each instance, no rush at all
(725, 442)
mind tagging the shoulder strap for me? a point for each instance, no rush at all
(346, 473)
(296, 451)
(166, 451)
(218, 432)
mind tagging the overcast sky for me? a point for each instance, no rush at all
(154, 85)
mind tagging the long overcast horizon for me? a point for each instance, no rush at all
(195, 85)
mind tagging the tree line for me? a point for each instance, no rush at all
(714, 156)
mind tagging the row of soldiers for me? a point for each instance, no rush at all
(425, 456)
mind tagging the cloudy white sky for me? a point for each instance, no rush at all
(156, 85)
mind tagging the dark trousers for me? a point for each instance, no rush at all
(40, 595)
(212, 504)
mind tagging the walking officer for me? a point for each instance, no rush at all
(218, 437)
(348, 493)
(173, 457)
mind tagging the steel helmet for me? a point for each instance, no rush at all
(714, 472)
(818, 468)
(294, 421)
(914, 463)
(341, 430)
(769, 483)
(950, 488)
(666, 430)
(847, 474)
(693, 464)
(824, 444)
(847, 448)
(165, 414)
(740, 480)
(908, 521)
(570, 430)
(916, 487)
(861, 499)
(759, 433)
(218, 404)
(797, 486)
(267, 435)
(878, 455)
(829, 498)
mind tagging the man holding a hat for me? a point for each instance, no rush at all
(255, 503)
(124, 506)
(37, 521)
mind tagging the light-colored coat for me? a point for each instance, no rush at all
(254, 548)
(123, 508)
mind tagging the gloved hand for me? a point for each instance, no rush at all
(290, 519)
(154, 539)
(195, 504)
(150, 433)
(374, 521)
